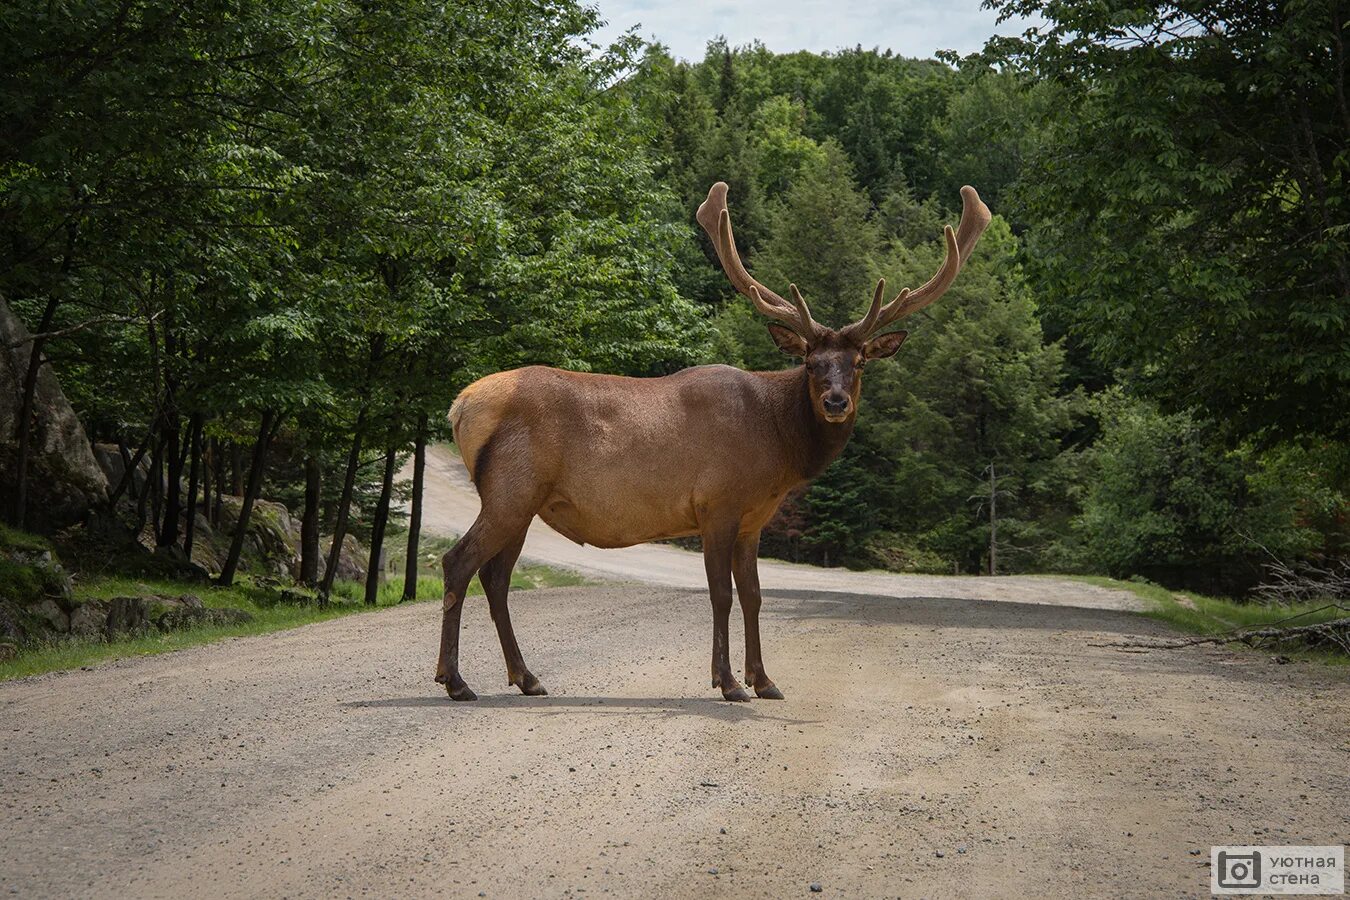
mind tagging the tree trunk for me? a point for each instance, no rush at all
(377, 532)
(267, 430)
(194, 475)
(208, 477)
(156, 486)
(415, 513)
(309, 525)
(218, 463)
(344, 506)
(24, 436)
(237, 461)
(993, 521)
(131, 464)
(172, 508)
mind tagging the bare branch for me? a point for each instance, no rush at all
(90, 323)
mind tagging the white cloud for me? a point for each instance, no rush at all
(915, 28)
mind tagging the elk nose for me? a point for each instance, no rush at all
(836, 404)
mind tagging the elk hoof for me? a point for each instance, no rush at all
(456, 688)
(771, 692)
(530, 687)
(737, 694)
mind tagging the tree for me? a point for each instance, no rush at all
(1187, 206)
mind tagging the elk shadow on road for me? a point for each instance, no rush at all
(560, 704)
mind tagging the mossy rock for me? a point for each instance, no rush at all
(35, 592)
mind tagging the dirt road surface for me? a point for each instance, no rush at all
(930, 745)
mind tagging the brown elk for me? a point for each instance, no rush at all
(711, 451)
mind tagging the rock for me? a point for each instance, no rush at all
(192, 616)
(352, 561)
(816, 887)
(273, 540)
(64, 478)
(50, 613)
(137, 615)
(11, 629)
(114, 466)
(182, 567)
(127, 615)
(89, 619)
(297, 597)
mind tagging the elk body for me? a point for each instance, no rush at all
(708, 451)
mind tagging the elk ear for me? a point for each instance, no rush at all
(789, 341)
(885, 345)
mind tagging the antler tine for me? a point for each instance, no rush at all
(808, 324)
(908, 301)
(868, 323)
(975, 218)
(715, 220)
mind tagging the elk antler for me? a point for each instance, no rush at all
(716, 221)
(974, 220)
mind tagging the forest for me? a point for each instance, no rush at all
(262, 246)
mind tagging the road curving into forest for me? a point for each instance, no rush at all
(932, 743)
(452, 504)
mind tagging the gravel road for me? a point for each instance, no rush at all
(930, 745)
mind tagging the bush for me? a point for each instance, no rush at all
(1162, 498)
(892, 552)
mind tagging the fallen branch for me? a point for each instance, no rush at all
(1336, 631)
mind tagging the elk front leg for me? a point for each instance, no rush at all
(717, 552)
(745, 567)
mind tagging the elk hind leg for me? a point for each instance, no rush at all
(510, 495)
(717, 551)
(496, 579)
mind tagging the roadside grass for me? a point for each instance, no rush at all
(1213, 616)
(259, 601)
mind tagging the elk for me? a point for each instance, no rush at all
(708, 451)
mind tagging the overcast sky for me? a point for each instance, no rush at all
(909, 27)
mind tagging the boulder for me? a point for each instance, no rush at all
(352, 561)
(89, 619)
(138, 615)
(35, 592)
(48, 616)
(110, 461)
(64, 478)
(273, 539)
(191, 616)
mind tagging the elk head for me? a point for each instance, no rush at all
(834, 359)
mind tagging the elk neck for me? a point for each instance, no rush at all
(813, 443)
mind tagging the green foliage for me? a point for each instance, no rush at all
(1188, 201)
(340, 215)
(1162, 495)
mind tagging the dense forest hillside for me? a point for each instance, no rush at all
(262, 247)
